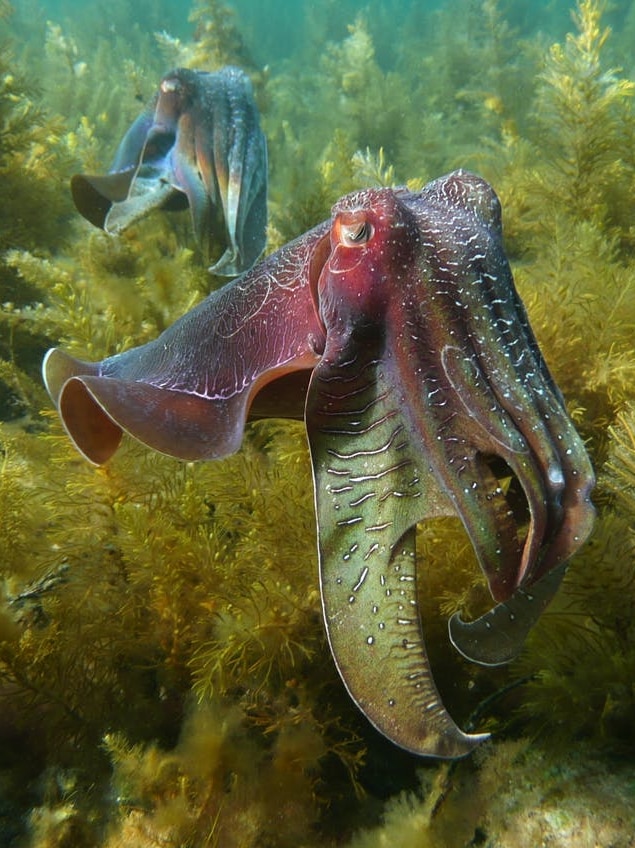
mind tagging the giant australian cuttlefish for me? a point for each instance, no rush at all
(396, 330)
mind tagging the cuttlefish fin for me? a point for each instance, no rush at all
(96, 410)
(243, 351)
(95, 195)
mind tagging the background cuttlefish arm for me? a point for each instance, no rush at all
(400, 325)
(198, 143)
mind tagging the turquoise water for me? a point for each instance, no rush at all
(277, 30)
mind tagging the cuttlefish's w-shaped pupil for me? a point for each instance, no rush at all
(355, 232)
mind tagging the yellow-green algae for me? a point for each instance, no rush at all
(163, 669)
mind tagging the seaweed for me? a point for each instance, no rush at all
(217, 41)
(33, 213)
(586, 123)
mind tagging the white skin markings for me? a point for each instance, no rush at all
(292, 273)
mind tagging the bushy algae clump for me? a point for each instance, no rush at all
(163, 669)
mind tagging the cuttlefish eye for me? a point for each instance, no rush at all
(355, 232)
(169, 85)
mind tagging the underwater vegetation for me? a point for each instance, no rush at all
(164, 674)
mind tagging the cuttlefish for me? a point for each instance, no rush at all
(396, 330)
(198, 143)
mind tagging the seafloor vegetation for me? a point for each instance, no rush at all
(164, 677)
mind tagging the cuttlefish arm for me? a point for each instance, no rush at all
(496, 637)
(430, 372)
(499, 348)
(371, 487)
(240, 352)
(198, 144)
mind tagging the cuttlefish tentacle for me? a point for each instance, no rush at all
(472, 295)
(448, 396)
